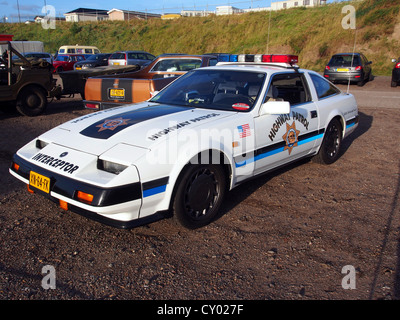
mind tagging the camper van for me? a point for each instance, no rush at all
(77, 49)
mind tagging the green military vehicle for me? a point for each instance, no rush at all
(25, 84)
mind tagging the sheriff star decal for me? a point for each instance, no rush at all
(112, 124)
(291, 137)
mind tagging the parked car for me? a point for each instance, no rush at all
(123, 58)
(349, 66)
(132, 87)
(38, 55)
(95, 60)
(395, 73)
(65, 62)
(180, 152)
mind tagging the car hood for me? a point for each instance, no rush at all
(142, 125)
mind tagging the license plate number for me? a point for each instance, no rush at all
(39, 181)
(116, 63)
(116, 93)
(342, 69)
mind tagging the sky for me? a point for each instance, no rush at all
(13, 10)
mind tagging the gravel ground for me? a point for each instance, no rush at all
(285, 235)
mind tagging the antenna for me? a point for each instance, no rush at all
(352, 58)
(269, 25)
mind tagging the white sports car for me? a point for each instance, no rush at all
(181, 151)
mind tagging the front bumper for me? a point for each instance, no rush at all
(118, 206)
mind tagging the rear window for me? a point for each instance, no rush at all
(170, 65)
(345, 60)
(118, 55)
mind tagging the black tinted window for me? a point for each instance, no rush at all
(324, 88)
(345, 60)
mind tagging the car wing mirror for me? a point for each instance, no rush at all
(394, 60)
(275, 107)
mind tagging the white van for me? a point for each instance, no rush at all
(85, 50)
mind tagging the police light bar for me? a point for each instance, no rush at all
(260, 58)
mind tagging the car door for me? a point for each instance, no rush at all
(282, 138)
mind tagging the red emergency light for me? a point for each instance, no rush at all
(280, 58)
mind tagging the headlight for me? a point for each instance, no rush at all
(111, 167)
(40, 144)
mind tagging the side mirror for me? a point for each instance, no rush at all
(275, 107)
(394, 60)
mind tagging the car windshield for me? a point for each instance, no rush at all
(214, 89)
(61, 58)
(345, 60)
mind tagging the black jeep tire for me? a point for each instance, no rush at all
(31, 101)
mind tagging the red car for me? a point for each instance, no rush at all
(65, 62)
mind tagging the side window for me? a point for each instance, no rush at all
(323, 87)
(291, 87)
(212, 62)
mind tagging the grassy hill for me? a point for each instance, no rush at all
(313, 33)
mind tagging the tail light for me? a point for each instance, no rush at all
(327, 68)
(358, 68)
(397, 65)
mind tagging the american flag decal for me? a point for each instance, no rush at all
(244, 130)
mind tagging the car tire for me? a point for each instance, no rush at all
(393, 84)
(331, 144)
(199, 195)
(59, 69)
(32, 101)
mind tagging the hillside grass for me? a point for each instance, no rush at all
(313, 33)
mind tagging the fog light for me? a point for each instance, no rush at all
(63, 204)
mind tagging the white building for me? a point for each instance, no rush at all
(286, 4)
(224, 10)
(85, 14)
(195, 13)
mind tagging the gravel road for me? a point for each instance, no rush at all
(298, 233)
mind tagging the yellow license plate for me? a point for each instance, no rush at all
(116, 93)
(116, 63)
(78, 68)
(342, 69)
(40, 182)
